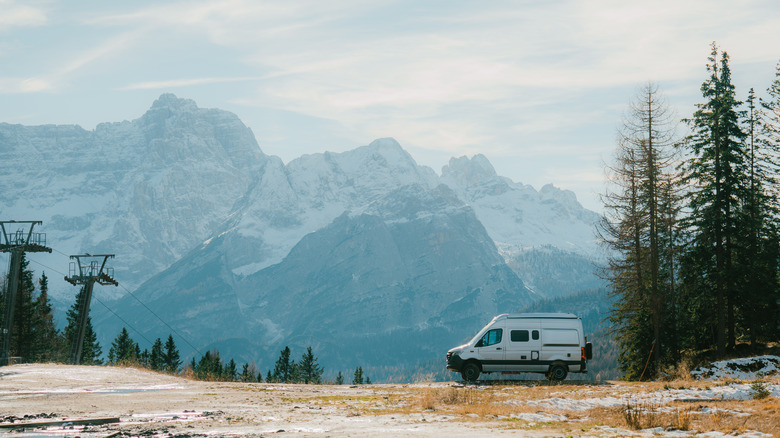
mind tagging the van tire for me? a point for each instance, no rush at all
(557, 372)
(470, 372)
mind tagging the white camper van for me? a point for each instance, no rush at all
(550, 343)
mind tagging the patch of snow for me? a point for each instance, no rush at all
(540, 417)
(749, 368)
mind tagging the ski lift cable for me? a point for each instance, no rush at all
(161, 320)
(150, 311)
(101, 302)
(123, 320)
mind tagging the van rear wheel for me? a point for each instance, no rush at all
(557, 372)
(470, 372)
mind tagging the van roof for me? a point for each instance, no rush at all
(541, 315)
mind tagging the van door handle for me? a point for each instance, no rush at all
(498, 348)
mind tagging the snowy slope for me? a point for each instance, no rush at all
(147, 190)
(545, 236)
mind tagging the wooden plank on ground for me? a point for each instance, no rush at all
(60, 423)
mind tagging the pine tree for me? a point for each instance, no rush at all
(757, 258)
(259, 376)
(171, 359)
(284, 367)
(310, 371)
(210, 366)
(230, 372)
(357, 379)
(47, 346)
(716, 176)
(635, 229)
(157, 356)
(91, 350)
(339, 379)
(193, 368)
(123, 349)
(248, 374)
(22, 332)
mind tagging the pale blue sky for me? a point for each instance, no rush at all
(536, 86)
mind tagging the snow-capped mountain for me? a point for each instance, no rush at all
(236, 249)
(147, 190)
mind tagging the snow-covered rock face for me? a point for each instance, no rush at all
(526, 224)
(147, 190)
(517, 215)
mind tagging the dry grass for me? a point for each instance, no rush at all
(505, 403)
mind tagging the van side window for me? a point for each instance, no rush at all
(491, 338)
(519, 335)
(535, 335)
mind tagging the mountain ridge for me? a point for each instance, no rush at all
(196, 213)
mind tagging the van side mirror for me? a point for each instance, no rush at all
(588, 351)
(479, 343)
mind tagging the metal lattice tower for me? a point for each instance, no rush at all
(87, 274)
(16, 243)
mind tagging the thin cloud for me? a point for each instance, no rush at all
(177, 83)
(15, 14)
(24, 85)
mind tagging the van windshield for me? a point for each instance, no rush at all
(480, 333)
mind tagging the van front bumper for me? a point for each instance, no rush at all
(454, 362)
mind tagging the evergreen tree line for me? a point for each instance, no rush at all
(34, 335)
(35, 338)
(164, 358)
(692, 224)
(286, 370)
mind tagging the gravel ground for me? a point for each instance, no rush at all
(151, 404)
(139, 403)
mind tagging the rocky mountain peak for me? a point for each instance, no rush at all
(469, 171)
(549, 191)
(171, 102)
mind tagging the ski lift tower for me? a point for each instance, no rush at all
(17, 243)
(87, 273)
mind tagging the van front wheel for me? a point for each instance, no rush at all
(557, 372)
(470, 372)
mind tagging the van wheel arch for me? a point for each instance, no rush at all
(558, 371)
(471, 370)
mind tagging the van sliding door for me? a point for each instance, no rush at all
(522, 352)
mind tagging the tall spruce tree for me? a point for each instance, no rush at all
(91, 350)
(640, 213)
(210, 366)
(230, 372)
(284, 371)
(124, 349)
(357, 378)
(47, 346)
(310, 371)
(171, 359)
(157, 356)
(716, 180)
(22, 332)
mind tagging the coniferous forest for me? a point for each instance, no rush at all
(691, 221)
